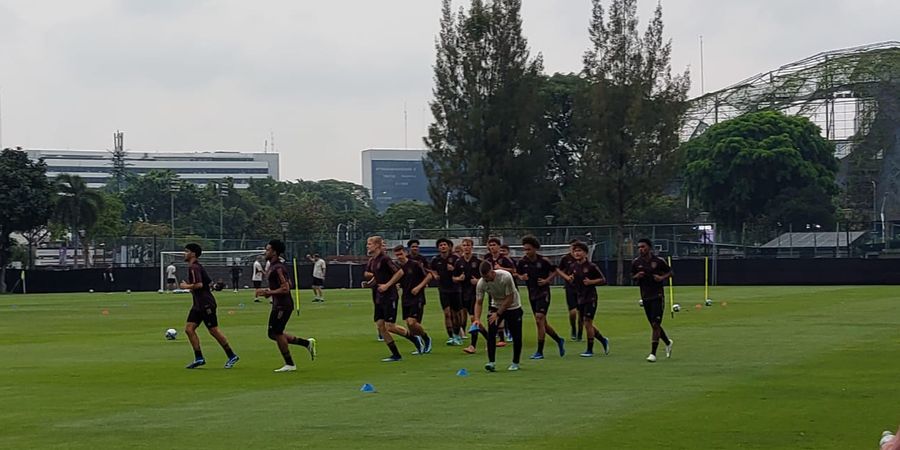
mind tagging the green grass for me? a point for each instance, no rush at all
(778, 367)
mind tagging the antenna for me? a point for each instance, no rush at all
(272, 140)
(266, 146)
(702, 81)
(405, 127)
(1, 120)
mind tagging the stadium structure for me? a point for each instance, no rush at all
(852, 94)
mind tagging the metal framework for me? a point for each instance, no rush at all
(852, 94)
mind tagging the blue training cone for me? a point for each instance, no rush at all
(462, 373)
(367, 388)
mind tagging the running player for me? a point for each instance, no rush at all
(257, 277)
(414, 254)
(586, 276)
(282, 305)
(651, 272)
(505, 305)
(382, 275)
(498, 260)
(537, 272)
(203, 309)
(415, 280)
(565, 271)
(447, 269)
(471, 275)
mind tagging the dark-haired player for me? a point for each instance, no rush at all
(565, 271)
(586, 276)
(445, 267)
(414, 281)
(505, 305)
(537, 272)
(383, 275)
(651, 272)
(470, 266)
(203, 309)
(413, 245)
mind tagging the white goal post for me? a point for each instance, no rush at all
(217, 263)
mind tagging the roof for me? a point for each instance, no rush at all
(811, 240)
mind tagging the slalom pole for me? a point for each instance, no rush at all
(22, 276)
(671, 291)
(296, 288)
(706, 278)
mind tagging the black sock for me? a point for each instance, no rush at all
(572, 325)
(540, 346)
(450, 332)
(655, 346)
(287, 358)
(228, 351)
(553, 335)
(598, 335)
(394, 352)
(198, 354)
(590, 345)
(300, 341)
(663, 336)
(474, 335)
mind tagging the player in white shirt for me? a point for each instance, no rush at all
(171, 278)
(318, 283)
(257, 277)
(505, 305)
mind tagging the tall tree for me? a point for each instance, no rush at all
(78, 207)
(484, 156)
(25, 200)
(632, 116)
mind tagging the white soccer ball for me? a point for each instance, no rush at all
(128, 291)
(641, 303)
(171, 334)
(709, 302)
(160, 291)
(91, 291)
(676, 307)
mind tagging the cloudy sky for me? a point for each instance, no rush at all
(330, 78)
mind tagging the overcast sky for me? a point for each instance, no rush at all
(330, 78)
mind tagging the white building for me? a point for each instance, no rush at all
(394, 175)
(95, 166)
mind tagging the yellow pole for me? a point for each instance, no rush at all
(706, 277)
(671, 291)
(296, 288)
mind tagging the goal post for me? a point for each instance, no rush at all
(218, 265)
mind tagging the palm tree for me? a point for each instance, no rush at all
(78, 207)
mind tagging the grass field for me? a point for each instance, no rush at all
(777, 367)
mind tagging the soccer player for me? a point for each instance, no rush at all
(171, 280)
(446, 268)
(414, 254)
(282, 306)
(505, 305)
(319, 268)
(471, 274)
(382, 275)
(257, 276)
(537, 272)
(651, 272)
(415, 280)
(565, 270)
(586, 276)
(203, 309)
(498, 260)
(235, 275)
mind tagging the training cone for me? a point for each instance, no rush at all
(367, 388)
(462, 373)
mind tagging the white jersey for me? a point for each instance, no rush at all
(498, 289)
(170, 272)
(319, 268)
(257, 271)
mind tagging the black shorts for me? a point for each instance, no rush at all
(653, 308)
(318, 282)
(278, 320)
(452, 300)
(206, 316)
(571, 298)
(414, 310)
(386, 310)
(588, 310)
(257, 284)
(468, 301)
(540, 302)
(170, 280)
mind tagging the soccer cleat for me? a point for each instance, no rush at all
(586, 354)
(575, 337)
(457, 341)
(490, 367)
(312, 349)
(669, 348)
(420, 346)
(391, 358)
(286, 368)
(508, 337)
(255, 300)
(380, 338)
(197, 363)
(605, 343)
(232, 361)
(427, 345)
(513, 367)
(651, 358)
(501, 344)
(562, 347)
(536, 356)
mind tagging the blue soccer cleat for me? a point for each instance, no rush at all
(427, 345)
(605, 343)
(562, 347)
(232, 361)
(392, 359)
(536, 356)
(197, 363)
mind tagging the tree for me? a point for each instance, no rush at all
(25, 200)
(109, 221)
(397, 215)
(763, 164)
(78, 207)
(485, 108)
(631, 117)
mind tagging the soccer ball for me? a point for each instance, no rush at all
(676, 307)
(128, 291)
(160, 291)
(171, 333)
(709, 302)
(91, 291)
(641, 303)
